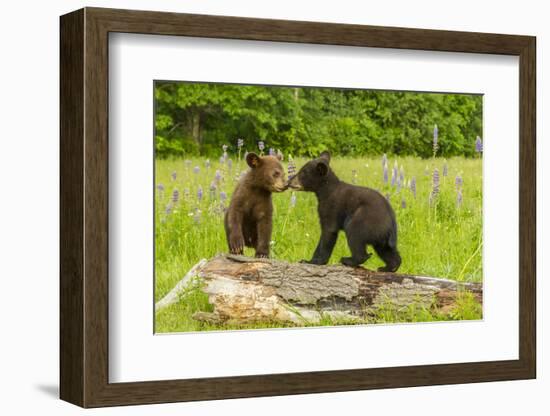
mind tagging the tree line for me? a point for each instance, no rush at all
(199, 118)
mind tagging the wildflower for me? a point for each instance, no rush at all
(271, 151)
(291, 167)
(196, 170)
(207, 163)
(224, 147)
(261, 146)
(459, 198)
(354, 176)
(445, 168)
(222, 160)
(413, 186)
(175, 196)
(386, 173)
(229, 164)
(218, 177)
(174, 175)
(394, 174)
(240, 143)
(224, 156)
(293, 200)
(168, 209)
(458, 182)
(479, 145)
(402, 175)
(223, 196)
(199, 193)
(213, 190)
(436, 134)
(435, 185)
(160, 187)
(384, 160)
(197, 216)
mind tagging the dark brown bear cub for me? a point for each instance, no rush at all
(364, 214)
(248, 218)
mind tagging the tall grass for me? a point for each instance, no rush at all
(438, 234)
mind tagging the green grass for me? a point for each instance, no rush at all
(437, 239)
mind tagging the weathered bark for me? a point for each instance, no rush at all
(247, 290)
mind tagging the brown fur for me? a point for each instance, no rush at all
(248, 220)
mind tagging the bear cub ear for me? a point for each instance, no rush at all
(253, 160)
(322, 168)
(325, 155)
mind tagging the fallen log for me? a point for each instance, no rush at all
(244, 290)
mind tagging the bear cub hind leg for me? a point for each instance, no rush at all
(390, 256)
(358, 249)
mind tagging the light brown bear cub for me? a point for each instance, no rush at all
(248, 220)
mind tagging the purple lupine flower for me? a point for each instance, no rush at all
(261, 146)
(479, 145)
(435, 185)
(402, 175)
(213, 190)
(224, 156)
(207, 163)
(413, 186)
(459, 198)
(218, 177)
(271, 151)
(384, 160)
(458, 182)
(197, 216)
(174, 175)
(196, 170)
(168, 209)
(175, 196)
(160, 187)
(386, 173)
(240, 143)
(291, 167)
(229, 164)
(435, 144)
(399, 183)
(293, 200)
(222, 160)
(403, 203)
(353, 176)
(394, 174)
(223, 196)
(199, 193)
(445, 168)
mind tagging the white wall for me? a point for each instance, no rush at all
(29, 207)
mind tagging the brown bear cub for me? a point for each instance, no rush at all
(363, 213)
(248, 218)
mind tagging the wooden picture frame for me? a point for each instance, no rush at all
(84, 207)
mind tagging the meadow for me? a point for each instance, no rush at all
(438, 204)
